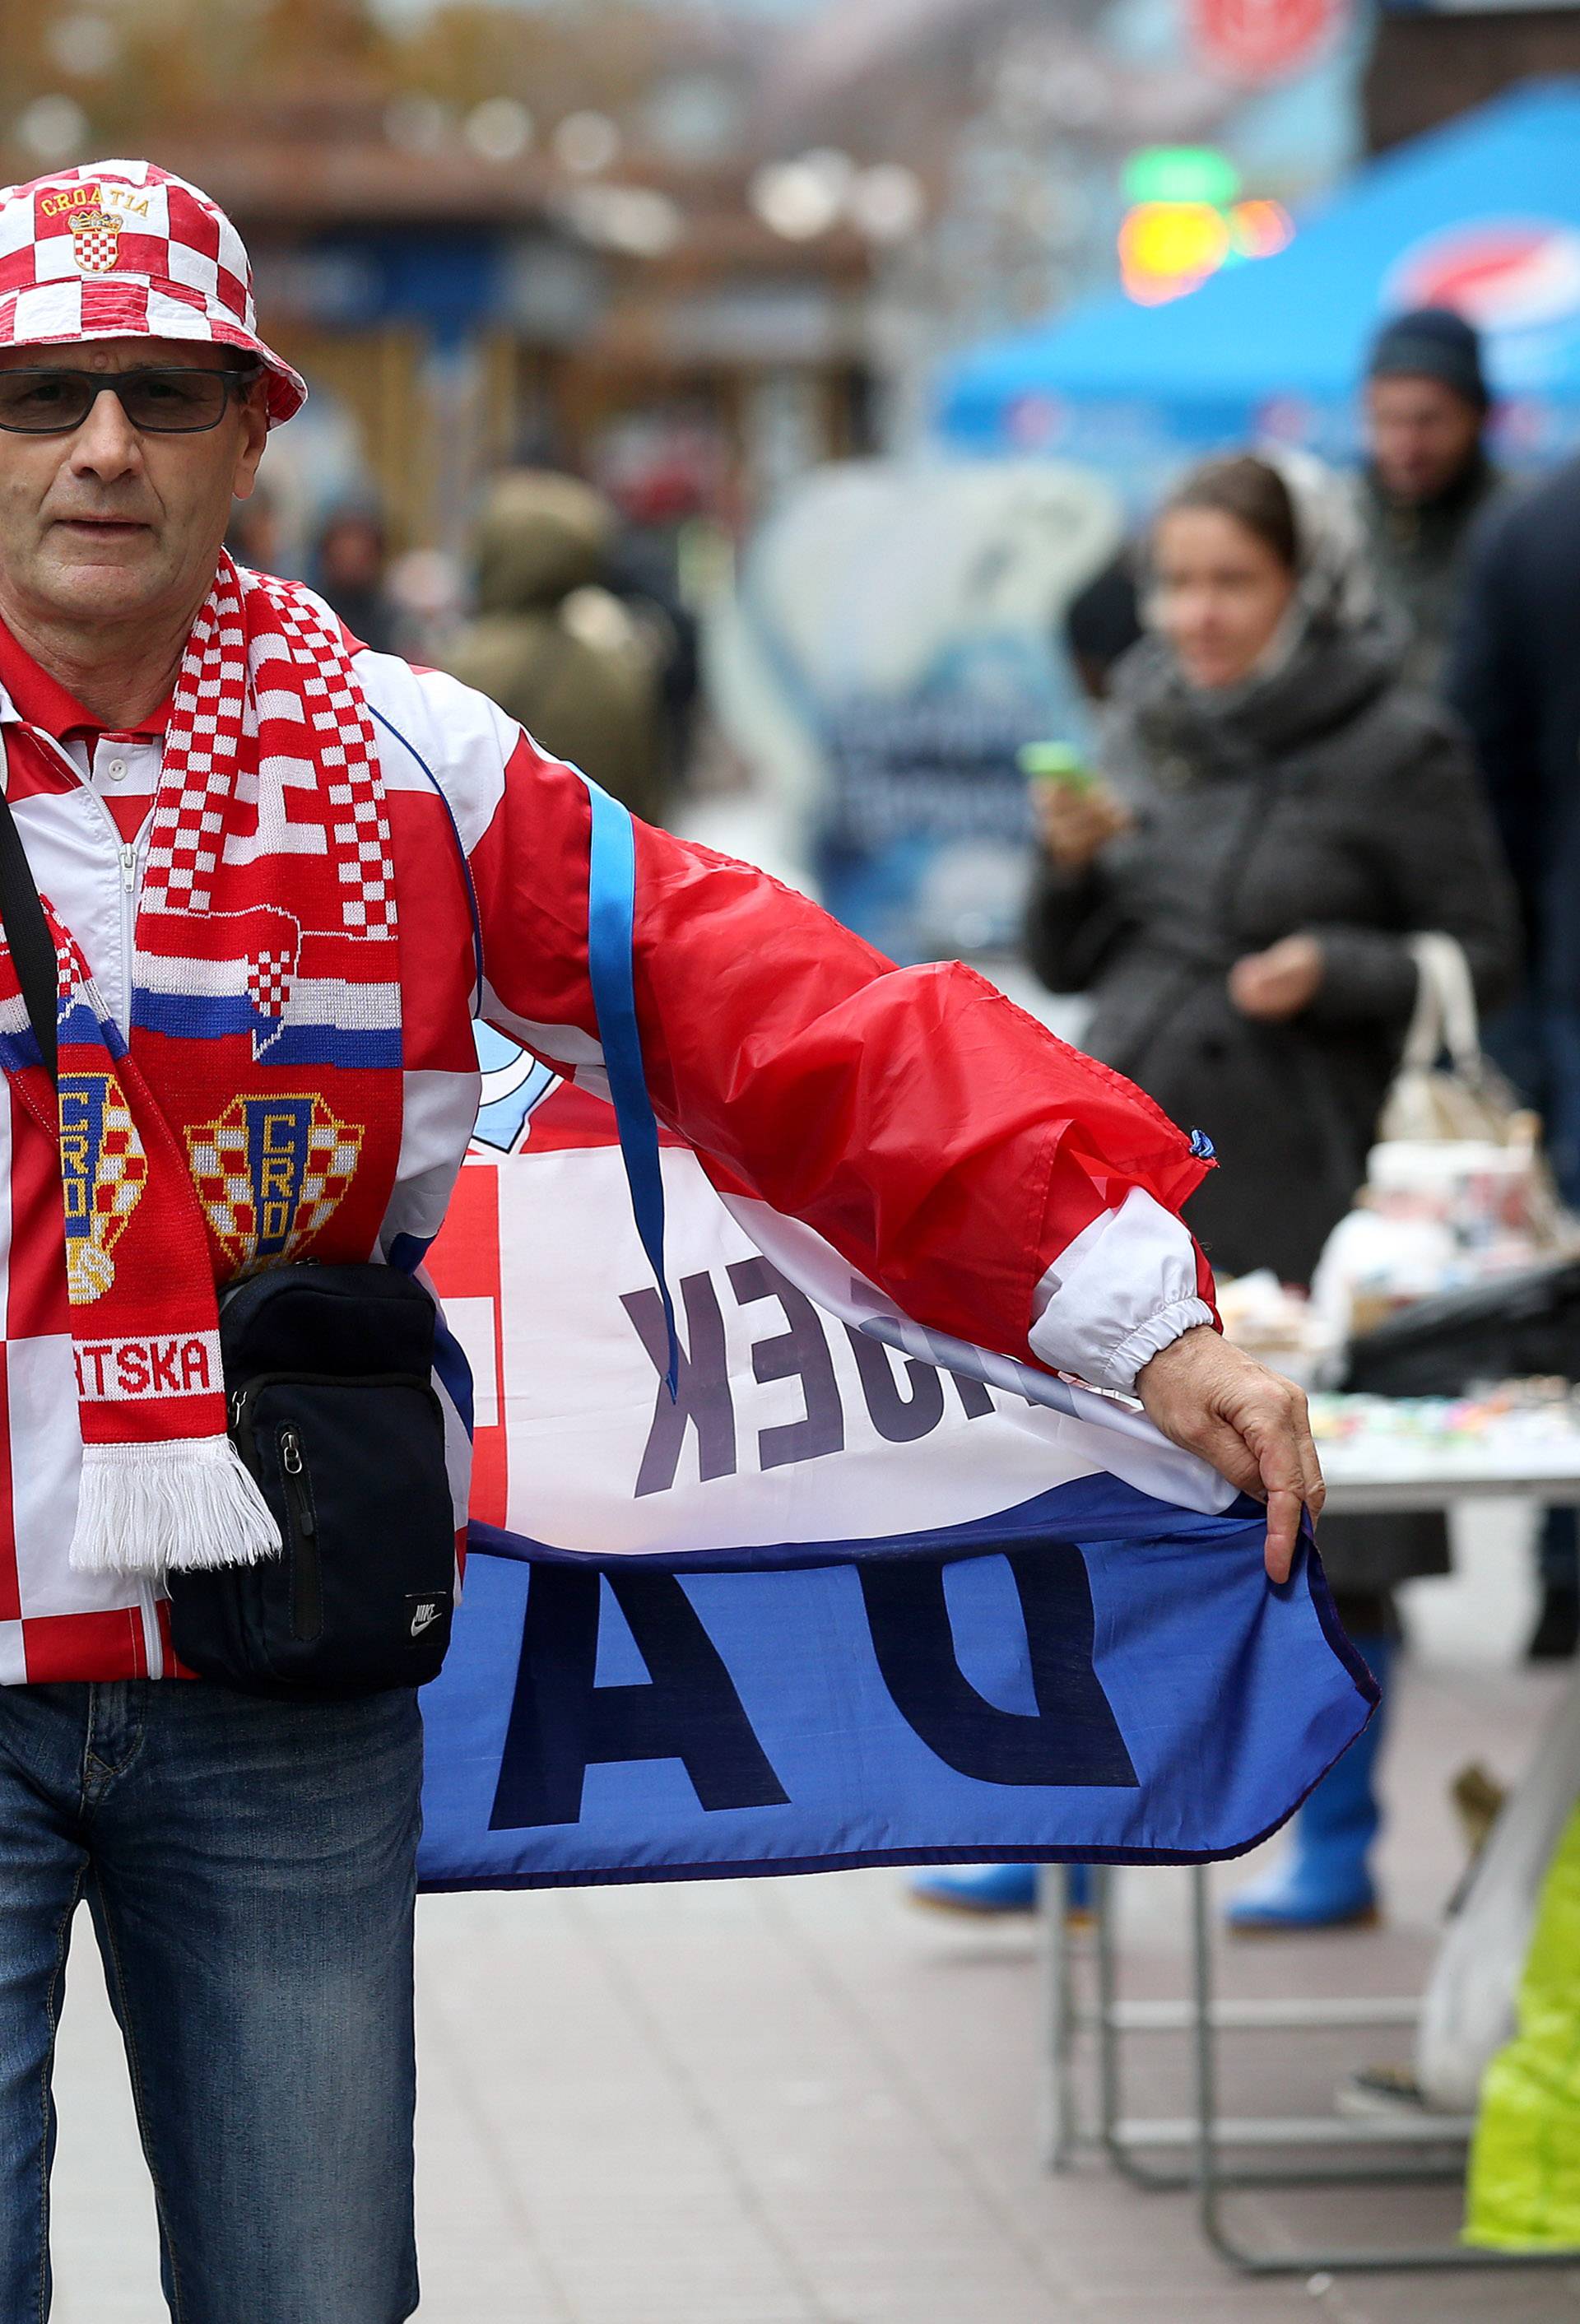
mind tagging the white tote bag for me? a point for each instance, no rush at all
(1465, 1098)
(1452, 1127)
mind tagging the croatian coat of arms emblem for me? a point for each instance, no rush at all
(95, 239)
(103, 1171)
(270, 1172)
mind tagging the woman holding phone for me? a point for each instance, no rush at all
(1273, 816)
(1276, 816)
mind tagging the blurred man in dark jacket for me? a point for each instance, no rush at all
(1428, 476)
(1514, 677)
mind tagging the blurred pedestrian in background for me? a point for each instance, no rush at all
(660, 478)
(1427, 476)
(552, 646)
(349, 562)
(254, 535)
(1514, 677)
(1101, 622)
(1278, 813)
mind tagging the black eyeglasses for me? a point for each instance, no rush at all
(164, 398)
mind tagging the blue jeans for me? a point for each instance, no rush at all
(250, 1868)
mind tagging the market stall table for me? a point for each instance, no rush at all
(1365, 1473)
(1523, 1443)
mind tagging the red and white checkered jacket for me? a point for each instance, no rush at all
(994, 1184)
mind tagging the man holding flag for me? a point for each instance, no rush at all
(279, 874)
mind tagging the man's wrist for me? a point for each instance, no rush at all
(1164, 1330)
(1123, 1287)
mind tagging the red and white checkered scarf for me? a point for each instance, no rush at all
(254, 1118)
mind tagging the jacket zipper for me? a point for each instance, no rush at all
(126, 859)
(126, 855)
(307, 1587)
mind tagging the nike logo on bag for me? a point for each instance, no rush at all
(425, 1617)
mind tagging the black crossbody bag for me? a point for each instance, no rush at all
(328, 1374)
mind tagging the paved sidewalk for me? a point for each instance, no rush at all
(804, 2102)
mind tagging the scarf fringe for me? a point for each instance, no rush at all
(181, 1506)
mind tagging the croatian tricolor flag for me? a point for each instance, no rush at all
(831, 1604)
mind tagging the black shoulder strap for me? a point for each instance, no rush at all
(27, 932)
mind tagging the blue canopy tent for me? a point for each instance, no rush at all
(1484, 214)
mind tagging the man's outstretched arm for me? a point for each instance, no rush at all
(994, 1183)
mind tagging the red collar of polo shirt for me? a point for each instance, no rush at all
(43, 701)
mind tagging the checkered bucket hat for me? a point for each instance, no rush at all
(118, 250)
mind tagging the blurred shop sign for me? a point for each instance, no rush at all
(548, 289)
(335, 286)
(769, 322)
(928, 835)
(1262, 40)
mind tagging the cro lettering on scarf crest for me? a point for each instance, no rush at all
(104, 1169)
(270, 1172)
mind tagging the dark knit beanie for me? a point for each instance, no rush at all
(1432, 343)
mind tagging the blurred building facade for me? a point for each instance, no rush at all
(689, 251)
(1022, 119)
(485, 234)
(1431, 62)
(468, 314)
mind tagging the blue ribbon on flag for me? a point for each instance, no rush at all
(611, 935)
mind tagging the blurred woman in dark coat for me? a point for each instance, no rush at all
(1278, 814)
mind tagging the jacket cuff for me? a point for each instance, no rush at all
(1170, 1324)
(1126, 1287)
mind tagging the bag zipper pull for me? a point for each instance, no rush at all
(291, 1461)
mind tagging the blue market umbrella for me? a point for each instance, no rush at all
(1484, 214)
